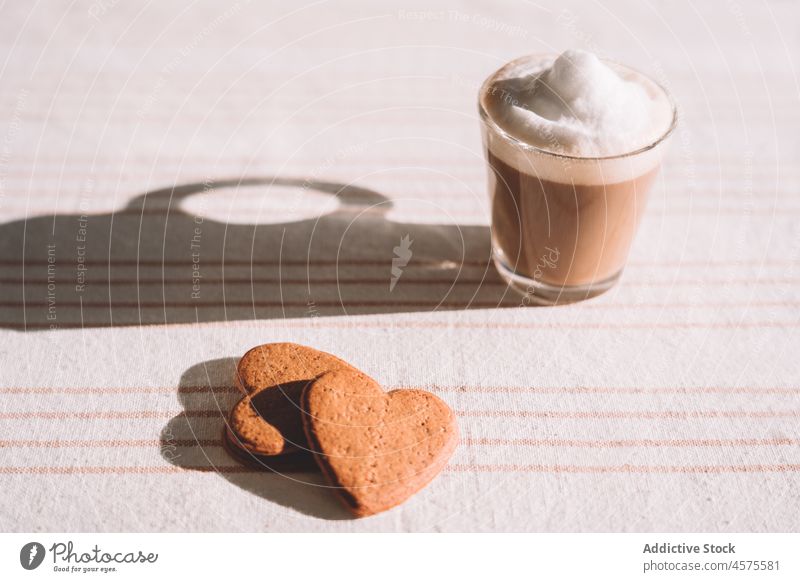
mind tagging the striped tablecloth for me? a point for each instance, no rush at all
(182, 182)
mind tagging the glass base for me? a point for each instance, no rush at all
(539, 293)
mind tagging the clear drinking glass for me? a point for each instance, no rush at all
(562, 225)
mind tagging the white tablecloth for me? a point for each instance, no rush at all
(141, 146)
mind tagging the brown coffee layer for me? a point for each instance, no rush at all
(564, 234)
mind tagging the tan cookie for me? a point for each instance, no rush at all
(272, 376)
(377, 448)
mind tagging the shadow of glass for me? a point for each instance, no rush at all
(155, 263)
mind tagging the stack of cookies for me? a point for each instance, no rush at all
(375, 448)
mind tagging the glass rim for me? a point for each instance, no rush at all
(487, 119)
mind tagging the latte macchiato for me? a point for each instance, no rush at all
(574, 145)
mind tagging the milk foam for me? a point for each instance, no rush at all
(579, 143)
(580, 106)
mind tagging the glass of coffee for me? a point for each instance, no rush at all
(574, 144)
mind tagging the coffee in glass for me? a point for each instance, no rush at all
(574, 145)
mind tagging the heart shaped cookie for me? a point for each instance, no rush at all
(377, 448)
(267, 420)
